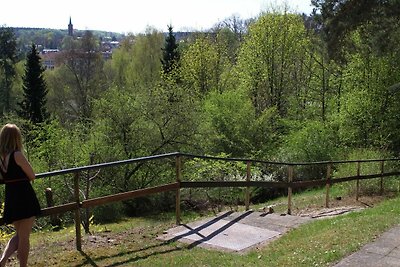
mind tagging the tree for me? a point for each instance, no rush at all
(236, 25)
(340, 17)
(136, 64)
(33, 105)
(369, 113)
(199, 66)
(171, 56)
(272, 62)
(8, 57)
(80, 78)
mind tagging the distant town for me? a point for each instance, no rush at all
(49, 41)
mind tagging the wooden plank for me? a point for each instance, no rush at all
(129, 195)
(59, 209)
(215, 184)
(364, 177)
(312, 183)
(268, 184)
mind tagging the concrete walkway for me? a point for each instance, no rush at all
(383, 252)
(234, 231)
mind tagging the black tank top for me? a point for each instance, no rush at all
(14, 171)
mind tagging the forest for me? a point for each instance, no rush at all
(281, 86)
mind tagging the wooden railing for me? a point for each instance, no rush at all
(289, 183)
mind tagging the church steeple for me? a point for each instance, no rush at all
(70, 28)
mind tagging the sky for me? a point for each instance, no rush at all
(130, 16)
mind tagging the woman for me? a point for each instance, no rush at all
(21, 204)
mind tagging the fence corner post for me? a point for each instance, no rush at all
(248, 176)
(328, 184)
(178, 165)
(77, 213)
(290, 180)
(54, 219)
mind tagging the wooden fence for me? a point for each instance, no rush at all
(289, 183)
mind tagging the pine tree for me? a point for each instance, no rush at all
(33, 105)
(170, 52)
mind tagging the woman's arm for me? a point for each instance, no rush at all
(21, 160)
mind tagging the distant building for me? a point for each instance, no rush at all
(70, 28)
(107, 47)
(49, 58)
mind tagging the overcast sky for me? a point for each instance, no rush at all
(126, 16)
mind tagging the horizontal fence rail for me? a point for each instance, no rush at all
(288, 182)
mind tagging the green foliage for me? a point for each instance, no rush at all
(370, 186)
(234, 128)
(312, 143)
(315, 141)
(199, 66)
(8, 57)
(271, 61)
(368, 114)
(340, 18)
(79, 80)
(58, 147)
(171, 54)
(143, 65)
(213, 170)
(264, 89)
(33, 105)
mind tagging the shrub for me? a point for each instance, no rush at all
(312, 143)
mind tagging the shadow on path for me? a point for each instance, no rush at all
(208, 224)
(164, 247)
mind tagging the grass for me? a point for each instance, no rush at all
(133, 242)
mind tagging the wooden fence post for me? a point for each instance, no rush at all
(248, 176)
(178, 166)
(77, 213)
(290, 180)
(328, 184)
(382, 172)
(358, 180)
(54, 219)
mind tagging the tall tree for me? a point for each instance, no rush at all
(199, 66)
(272, 62)
(81, 76)
(340, 17)
(33, 105)
(170, 57)
(8, 56)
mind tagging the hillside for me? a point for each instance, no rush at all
(133, 241)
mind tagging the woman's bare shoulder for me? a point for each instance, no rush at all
(19, 157)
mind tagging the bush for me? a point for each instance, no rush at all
(210, 170)
(312, 143)
(108, 213)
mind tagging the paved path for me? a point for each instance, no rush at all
(383, 252)
(234, 231)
